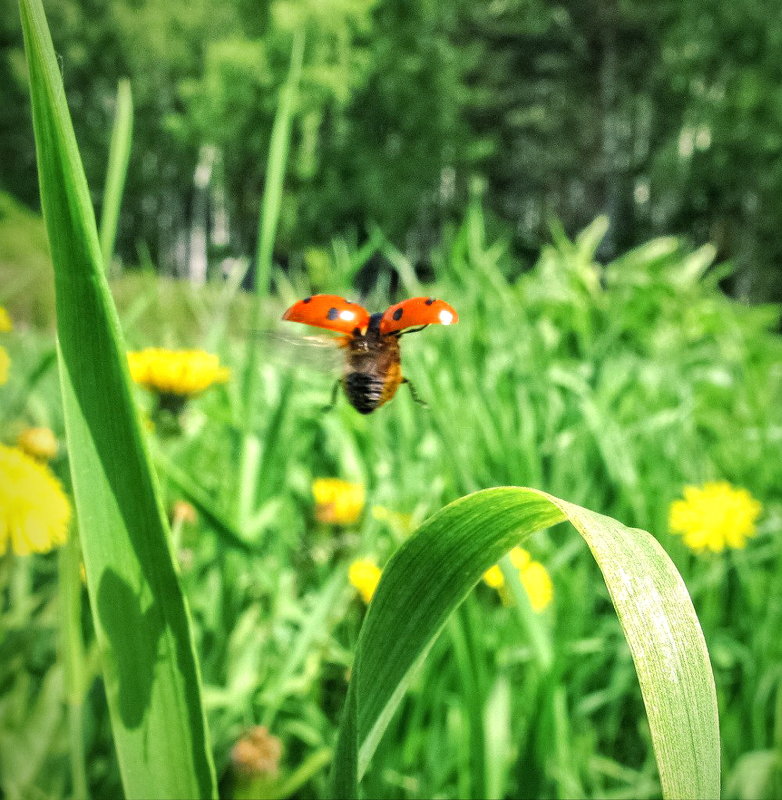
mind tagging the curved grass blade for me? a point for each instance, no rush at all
(141, 620)
(432, 573)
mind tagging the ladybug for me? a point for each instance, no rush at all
(373, 370)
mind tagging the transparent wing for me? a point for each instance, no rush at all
(320, 353)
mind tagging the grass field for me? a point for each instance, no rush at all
(611, 386)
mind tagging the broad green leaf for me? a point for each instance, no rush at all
(142, 625)
(432, 573)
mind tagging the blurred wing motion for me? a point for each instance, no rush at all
(311, 353)
(329, 311)
(417, 311)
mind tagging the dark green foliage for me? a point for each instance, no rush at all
(662, 115)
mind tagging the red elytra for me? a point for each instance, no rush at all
(335, 313)
(329, 311)
(417, 311)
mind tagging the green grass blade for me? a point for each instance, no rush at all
(206, 506)
(497, 741)
(15, 406)
(142, 625)
(119, 156)
(249, 462)
(275, 167)
(432, 573)
(74, 662)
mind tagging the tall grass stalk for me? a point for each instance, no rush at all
(552, 699)
(467, 642)
(249, 461)
(117, 170)
(73, 657)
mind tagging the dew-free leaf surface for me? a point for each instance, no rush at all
(432, 573)
(142, 626)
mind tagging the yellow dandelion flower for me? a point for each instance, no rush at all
(5, 363)
(538, 584)
(181, 373)
(493, 577)
(534, 577)
(337, 502)
(5, 321)
(520, 558)
(34, 511)
(395, 519)
(364, 576)
(40, 443)
(714, 517)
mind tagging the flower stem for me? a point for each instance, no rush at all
(72, 653)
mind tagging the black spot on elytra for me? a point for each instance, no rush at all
(430, 301)
(357, 331)
(398, 313)
(333, 314)
(306, 300)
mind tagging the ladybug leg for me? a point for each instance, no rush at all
(413, 393)
(409, 330)
(333, 401)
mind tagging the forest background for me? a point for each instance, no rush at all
(665, 116)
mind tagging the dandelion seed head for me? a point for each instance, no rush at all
(257, 754)
(40, 443)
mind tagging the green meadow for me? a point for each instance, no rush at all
(203, 629)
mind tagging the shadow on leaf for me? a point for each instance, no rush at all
(133, 634)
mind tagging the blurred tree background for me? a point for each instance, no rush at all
(666, 116)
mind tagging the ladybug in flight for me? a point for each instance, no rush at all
(373, 370)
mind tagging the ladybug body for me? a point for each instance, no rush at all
(373, 367)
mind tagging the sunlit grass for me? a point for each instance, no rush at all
(540, 414)
(623, 429)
